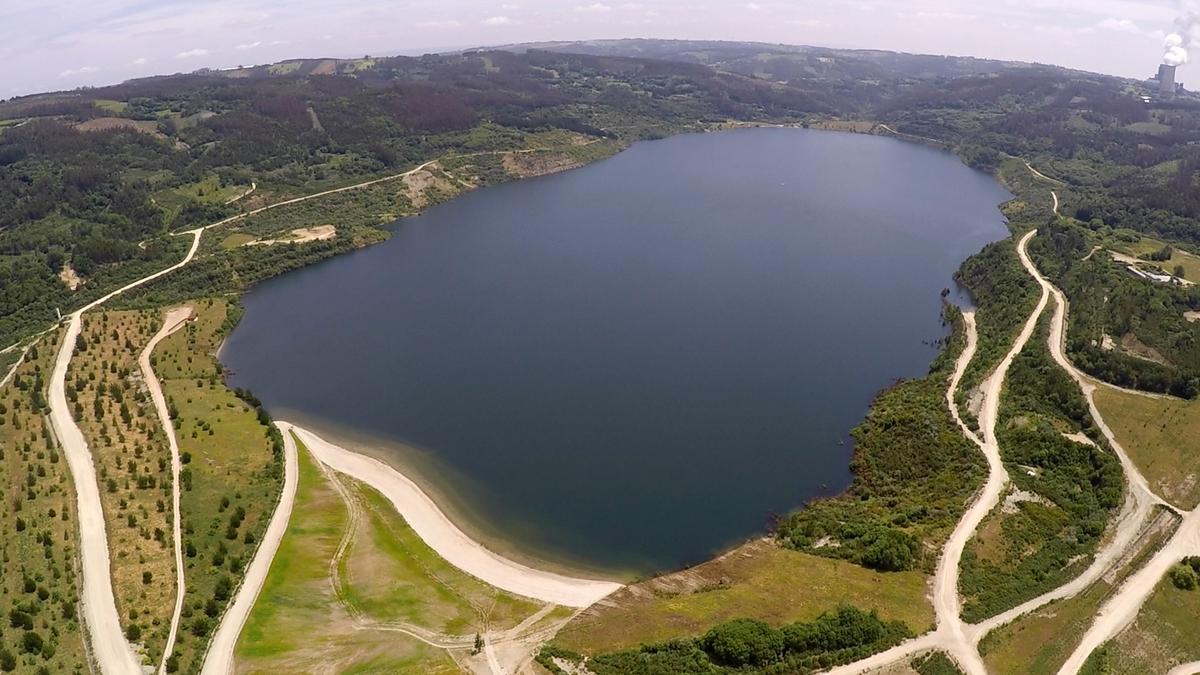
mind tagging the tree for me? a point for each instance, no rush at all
(478, 644)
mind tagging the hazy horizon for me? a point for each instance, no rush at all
(64, 44)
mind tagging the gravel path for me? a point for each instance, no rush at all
(175, 319)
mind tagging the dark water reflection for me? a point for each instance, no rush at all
(633, 364)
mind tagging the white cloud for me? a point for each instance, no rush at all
(497, 21)
(199, 51)
(594, 8)
(249, 45)
(78, 71)
(510, 7)
(753, 6)
(451, 23)
(805, 23)
(1119, 26)
(140, 61)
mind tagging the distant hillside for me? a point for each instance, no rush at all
(787, 63)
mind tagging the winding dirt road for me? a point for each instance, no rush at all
(175, 319)
(1041, 175)
(952, 635)
(112, 653)
(946, 601)
(219, 659)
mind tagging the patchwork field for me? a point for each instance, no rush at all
(42, 626)
(113, 409)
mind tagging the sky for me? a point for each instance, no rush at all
(63, 44)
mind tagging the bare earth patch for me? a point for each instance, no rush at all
(109, 123)
(530, 164)
(1131, 345)
(417, 186)
(301, 235)
(70, 277)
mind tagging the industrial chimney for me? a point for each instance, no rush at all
(1166, 80)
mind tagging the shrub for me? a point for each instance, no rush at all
(891, 551)
(32, 643)
(744, 642)
(1184, 577)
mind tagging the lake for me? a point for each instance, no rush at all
(631, 365)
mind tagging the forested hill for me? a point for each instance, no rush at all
(92, 180)
(794, 63)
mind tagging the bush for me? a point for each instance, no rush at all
(891, 551)
(32, 643)
(1184, 577)
(744, 642)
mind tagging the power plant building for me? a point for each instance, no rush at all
(1167, 86)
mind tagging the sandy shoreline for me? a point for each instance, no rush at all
(451, 492)
(445, 538)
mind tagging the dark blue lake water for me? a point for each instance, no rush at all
(635, 363)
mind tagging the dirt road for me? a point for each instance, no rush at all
(1041, 175)
(952, 635)
(219, 659)
(112, 653)
(175, 319)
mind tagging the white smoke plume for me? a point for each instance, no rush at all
(1174, 53)
(1186, 36)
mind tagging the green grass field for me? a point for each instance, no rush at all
(759, 580)
(1190, 263)
(1162, 437)
(298, 621)
(116, 107)
(209, 191)
(237, 239)
(351, 582)
(391, 575)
